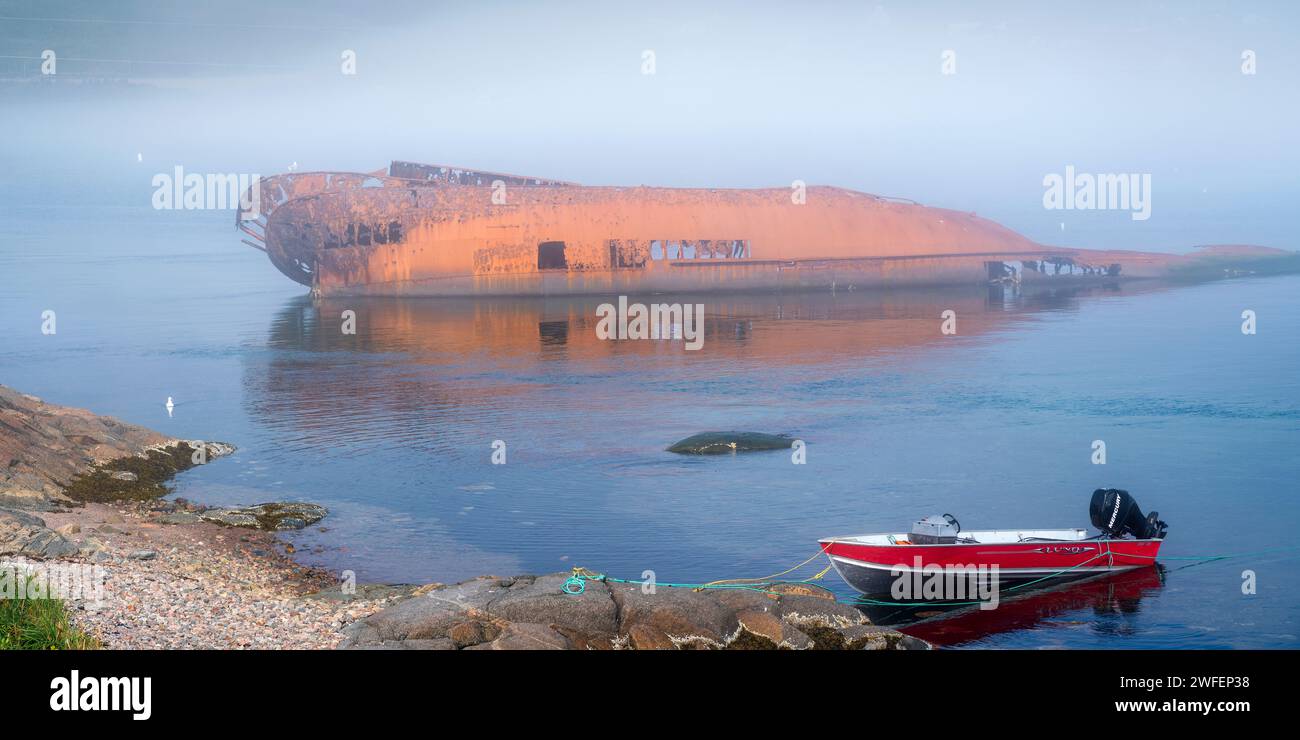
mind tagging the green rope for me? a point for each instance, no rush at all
(576, 583)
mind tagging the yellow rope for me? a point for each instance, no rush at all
(775, 576)
(576, 583)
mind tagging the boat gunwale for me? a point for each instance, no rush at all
(1074, 535)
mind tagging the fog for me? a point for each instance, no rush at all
(741, 95)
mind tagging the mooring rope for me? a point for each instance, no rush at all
(576, 583)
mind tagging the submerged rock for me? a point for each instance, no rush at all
(271, 516)
(534, 613)
(231, 518)
(717, 443)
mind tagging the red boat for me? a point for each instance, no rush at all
(878, 564)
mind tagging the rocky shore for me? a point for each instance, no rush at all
(80, 489)
(535, 613)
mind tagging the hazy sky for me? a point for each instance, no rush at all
(743, 95)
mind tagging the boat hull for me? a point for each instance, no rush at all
(873, 569)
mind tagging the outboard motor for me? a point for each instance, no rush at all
(936, 530)
(1116, 514)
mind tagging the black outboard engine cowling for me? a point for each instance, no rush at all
(1116, 514)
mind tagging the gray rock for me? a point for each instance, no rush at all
(213, 449)
(526, 636)
(28, 499)
(428, 616)
(643, 636)
(682, 614)
(464, 634)
(91, 545)
(720, 443)
(801, 610)
(181, 517)
(541, 600)
(269, 516)
(26, 534)
(365, 592)
(796, 639)
(231, 518)
(359, 635)
(739, 599)
(438, 644)
(531, 613)
(862, 631)
(125, 475)
(907, 642)
(142, 555)
(765, 624)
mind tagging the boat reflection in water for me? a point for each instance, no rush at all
(1111, 599)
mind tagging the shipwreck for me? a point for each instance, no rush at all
(433, 230)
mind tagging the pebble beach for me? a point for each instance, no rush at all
(200, 585)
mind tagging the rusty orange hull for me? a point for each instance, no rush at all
(424, 230)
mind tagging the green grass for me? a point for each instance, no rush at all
(40, 624)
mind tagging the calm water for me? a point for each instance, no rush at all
(392, 428)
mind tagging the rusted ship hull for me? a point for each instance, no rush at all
(427, 230)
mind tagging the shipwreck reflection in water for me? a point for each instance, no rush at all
(413, 362)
